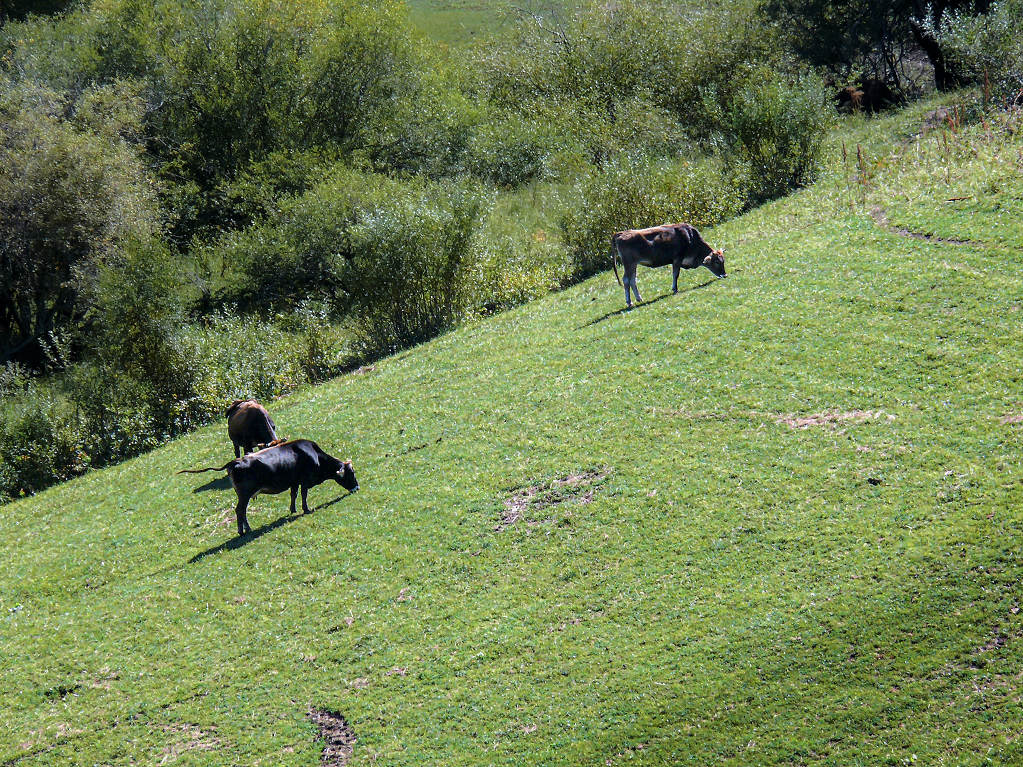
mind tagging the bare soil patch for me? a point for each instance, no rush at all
(574, 488)
(188, 737)
(339, 738)
(881, 219)
(1012, 418)
(833, 418)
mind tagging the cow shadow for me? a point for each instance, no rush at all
(645, 304)
(238, 541)
(221, 483)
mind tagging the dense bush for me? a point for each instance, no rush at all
(631, 194)
(390, 254)
(988, 47)
(773, 128)
(72, 191)
(39, 443)
(229, 83)
(604, 59)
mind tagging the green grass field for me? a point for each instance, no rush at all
(775, 519)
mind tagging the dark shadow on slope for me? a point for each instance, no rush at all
(221, 483)
(238, 541)
(328, 504)
(624, 309)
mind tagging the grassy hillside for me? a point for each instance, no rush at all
(774, 519)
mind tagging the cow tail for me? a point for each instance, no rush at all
(209, 468)
(614, 260)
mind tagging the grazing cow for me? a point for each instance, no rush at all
(249, 426)
(677, 244)
(292, 465)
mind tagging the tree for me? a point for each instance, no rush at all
(71, 190)
(870, 38)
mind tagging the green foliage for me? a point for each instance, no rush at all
(137, 313)
(604, 59)
(71, 192)
(633, 194)
(987, 48)
(230, 84)
(391, 254)
(39, 442)
(774, 128)
(865, 38)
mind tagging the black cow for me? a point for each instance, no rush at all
(677, 244)
(299, 463)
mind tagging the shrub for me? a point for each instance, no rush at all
(987, 46)
(510, 150)
(233, 82)
(71, 192)
(632, 194)
(137, 313)
(40, 442)
(387, 253)
(409, 255)
(774, 128)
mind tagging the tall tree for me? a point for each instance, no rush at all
(69, 195)
(871, 38)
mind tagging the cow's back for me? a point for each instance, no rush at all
(271, 470)
(249, 424)
(653, 246)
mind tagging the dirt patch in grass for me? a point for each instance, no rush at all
(574, 488)
(338, 736)
(1012, 418)
(61, 691)
(833, 418)
(881, 219)
(187, 737)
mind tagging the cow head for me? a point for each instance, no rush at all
(346, 476)
(715, 261)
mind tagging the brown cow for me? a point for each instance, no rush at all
(870, 95)
(677, 244)
(249, 426)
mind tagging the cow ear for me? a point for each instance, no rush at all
(706, 260)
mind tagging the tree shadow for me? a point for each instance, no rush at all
(645, 304)
(240, 540)
(221, 483)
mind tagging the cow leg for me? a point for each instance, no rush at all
(305, 505)
(628, 295)
(236, 451)
(294, 492)
(239, 512)
(635, 287)
(675, 268)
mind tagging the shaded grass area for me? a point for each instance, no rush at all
(739, 589)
